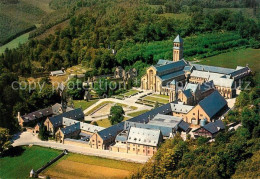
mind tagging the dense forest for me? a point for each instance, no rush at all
(120, 25)
(233, 154)
(140, 33)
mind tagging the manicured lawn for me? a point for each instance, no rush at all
(98, 106)
(15, 43)
(134, 114)
(25, 159)
(106, 123)
(84, 104)
(80, 166)
(161, 96)
(131, 92)
(155, 99)
(233, 59)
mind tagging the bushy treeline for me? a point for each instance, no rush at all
(234, 154)
(177, 6)
(14, 99)
(120, 25)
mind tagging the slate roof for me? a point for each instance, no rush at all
(70, 129)
(171, 66)
(37, 114)
(144, 136)
(90, 128)
(164, 62)
(180, 107)
(224, 82)
(172, 75)
(188, 68)
(143, 118)
(56, 108)
(239, 71)
(75, 114)
(213, 127)
(178, 39)
(206, 86)
(213, 69)
(184, 126)
(213, 103)
(111, 131)
(73, 125)
(192, 87)
(165, 130)
(122, 136)
(187, 93)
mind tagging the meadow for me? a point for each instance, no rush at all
(15, 43)
(236, 58)
(21, 160)
(81, 166)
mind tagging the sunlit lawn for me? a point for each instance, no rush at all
(84, 104)
(134, 114)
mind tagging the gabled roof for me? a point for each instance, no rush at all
(90, 128)
(188, 68)
(213, 127)
(224, 82)
(180, 107)
(178, 39)
(213, 69)
(75, 114)
(171, 66)
(187, 93)
(70, 129)
(111, 131)
(165, 130)
(37, 114)
(164, 62)
(171, 75)
(192, 87)
(144, 136)
(213, 103)
(184, 126)
(206, 86)
(143, 118)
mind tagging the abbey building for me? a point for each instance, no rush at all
(166, 76)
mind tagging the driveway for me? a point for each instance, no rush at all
(27, 138)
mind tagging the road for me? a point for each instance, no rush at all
(27, 138)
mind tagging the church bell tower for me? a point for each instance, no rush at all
(177, 49)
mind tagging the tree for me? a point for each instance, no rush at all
(75, 88)
(249, 119)
(116, 114)
(5, 143)
(43, 133)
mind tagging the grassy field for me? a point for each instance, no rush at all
(84, 104)
(134, 114)
(23, 159)
(161, 96)
(130, 92)
(233, 59)
(15, 43)
(98, 106)
(79, 166)
(155, 99)
(106, 123)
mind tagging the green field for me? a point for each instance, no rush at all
(15, 43)
(156, 99)
(233, 59)
(106, 123)
(81, 166)
(84, 104)
(24, 159)
(134, 114)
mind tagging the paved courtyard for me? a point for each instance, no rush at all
(127, 101)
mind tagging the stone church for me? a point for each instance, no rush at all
(169, 76)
